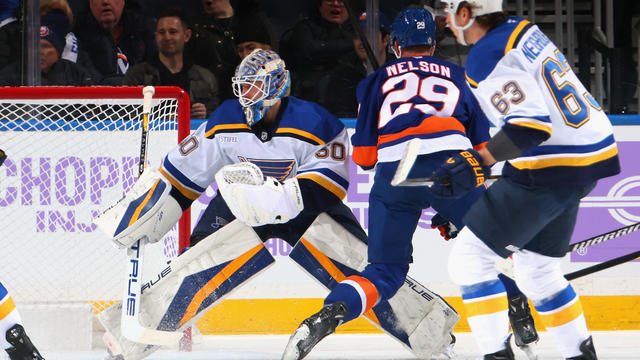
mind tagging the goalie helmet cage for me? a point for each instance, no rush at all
(71, 153)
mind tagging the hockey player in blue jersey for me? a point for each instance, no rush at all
(282, 169)
(557, 142)
(415, 96)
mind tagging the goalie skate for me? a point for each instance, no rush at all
(313, 329)
(524, 330)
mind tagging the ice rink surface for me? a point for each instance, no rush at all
(614, 345)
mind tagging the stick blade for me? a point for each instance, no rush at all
(406, 163)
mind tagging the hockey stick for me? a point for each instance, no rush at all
(130, 322)
(505, 266)
(365, 42)
(604, 265)
(406, 164)
(604, 237)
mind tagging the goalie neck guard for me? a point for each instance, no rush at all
(260, 81)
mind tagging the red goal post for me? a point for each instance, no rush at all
(71, 153)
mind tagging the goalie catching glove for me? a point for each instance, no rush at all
(256, 200)
(460, 174)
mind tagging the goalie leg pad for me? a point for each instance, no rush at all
(417, 317)
(147, 211)
(193, 283)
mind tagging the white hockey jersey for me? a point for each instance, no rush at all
(307, 142)
(526, 87)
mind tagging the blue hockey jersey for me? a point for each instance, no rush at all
(416, 97)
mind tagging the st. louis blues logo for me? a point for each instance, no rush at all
(278, 169)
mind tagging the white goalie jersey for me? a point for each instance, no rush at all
(528, 86)
(307, 142)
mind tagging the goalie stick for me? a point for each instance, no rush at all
(132, 297)
(406, 164)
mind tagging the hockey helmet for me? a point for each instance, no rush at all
(260, 81)
(412, 27)
(479, 8)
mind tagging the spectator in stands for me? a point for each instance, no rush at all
(115, 35)
(341, 95)
(9, 32)
(171, 68)
(254, 32)
(54, 27)
(213, 45)
(313, 47)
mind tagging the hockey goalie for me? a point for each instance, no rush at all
(282, 170)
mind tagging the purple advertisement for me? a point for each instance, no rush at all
(613, 204)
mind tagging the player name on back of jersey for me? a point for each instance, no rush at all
(418, 65)
(534, 44)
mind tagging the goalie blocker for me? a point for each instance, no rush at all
(146, 212)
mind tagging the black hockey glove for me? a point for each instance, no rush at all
(447, 230)
(3, 156)
(460, 174)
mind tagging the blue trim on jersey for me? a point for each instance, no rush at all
(571, 149)
(312, 118)
(559, 300)
(563, 175)
(546, 119)
(488, 51)
(330, 174)
(229, 112)
(483, 289)
(167, 165)
(131, 209)
(3, 291)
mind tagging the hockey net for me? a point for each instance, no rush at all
(71, 153)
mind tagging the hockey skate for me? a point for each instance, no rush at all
(524, 329)
(313, 329)
(22, 348)
(505, 354)
(588, 351)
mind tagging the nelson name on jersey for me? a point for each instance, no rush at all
(415, 64)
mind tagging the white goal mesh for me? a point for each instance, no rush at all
(71, 153)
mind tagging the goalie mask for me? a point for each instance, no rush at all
(260, 81)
